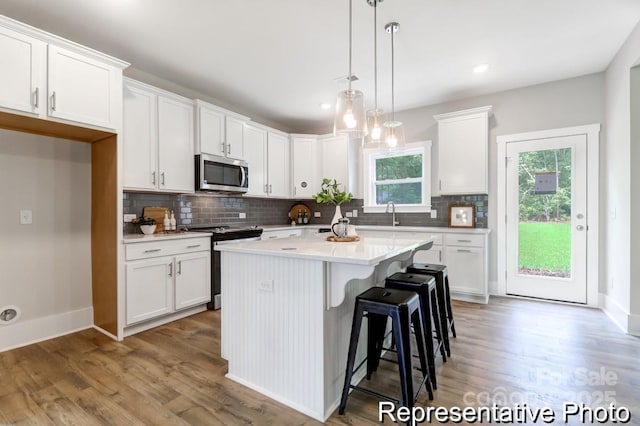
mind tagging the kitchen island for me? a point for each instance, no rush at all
(287, 307)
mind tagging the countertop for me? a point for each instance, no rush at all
(399, 228)
(370, 250)
(161, 236)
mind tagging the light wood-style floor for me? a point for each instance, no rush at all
(510, 351)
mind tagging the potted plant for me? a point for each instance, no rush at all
(147, 225)
(331, 193)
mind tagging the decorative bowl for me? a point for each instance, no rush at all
(148, 229)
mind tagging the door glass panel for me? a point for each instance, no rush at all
(544, 240)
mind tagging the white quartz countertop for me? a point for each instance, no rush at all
(370, 250)
(161, 236)
(384, 228)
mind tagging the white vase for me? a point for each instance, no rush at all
(337, 215)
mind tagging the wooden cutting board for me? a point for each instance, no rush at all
(156, 213)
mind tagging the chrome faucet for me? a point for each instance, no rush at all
(391, 204)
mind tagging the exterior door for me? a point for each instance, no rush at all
(546, 223)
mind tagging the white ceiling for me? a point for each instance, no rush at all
(278, 60)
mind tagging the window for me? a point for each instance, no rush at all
(402, 176)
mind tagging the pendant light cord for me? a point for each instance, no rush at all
(375, 55)
(393, 106)
(350, 41)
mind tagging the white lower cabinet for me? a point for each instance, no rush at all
(163, 277)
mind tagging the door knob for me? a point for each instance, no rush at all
(580, 227)
(580, 216)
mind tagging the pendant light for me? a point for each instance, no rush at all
(350, 115)
(393, 131)
(374, 116)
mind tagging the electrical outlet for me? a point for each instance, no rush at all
(128, 218)
(355, 212)
(317, 214)
(266, 285)
(26, 217)
(434, 214)
(242, 215)
(349, 214)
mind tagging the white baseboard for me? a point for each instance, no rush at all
(614, 311)
(148, 325)
(467, 297)
(33, 331)
(634, 325)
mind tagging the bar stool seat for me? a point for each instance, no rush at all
(377, 304)
(425, 287)
(444, 297)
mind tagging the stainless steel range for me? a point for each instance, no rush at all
(224, 234)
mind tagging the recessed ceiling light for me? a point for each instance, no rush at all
(325, 105)
(480, 68)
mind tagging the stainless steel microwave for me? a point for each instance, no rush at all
(220, 174)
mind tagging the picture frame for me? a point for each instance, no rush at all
(462, 216)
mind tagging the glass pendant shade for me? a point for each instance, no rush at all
(375, 121)
(392, 136)
(350, 115)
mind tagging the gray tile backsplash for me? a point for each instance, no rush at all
(194, 210)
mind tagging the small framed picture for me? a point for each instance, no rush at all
(462, 216)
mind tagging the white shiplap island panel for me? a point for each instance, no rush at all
(287, 311)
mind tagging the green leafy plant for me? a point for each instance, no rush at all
(330, 193)
(143, 220)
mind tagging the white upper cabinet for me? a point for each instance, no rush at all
(463, 139)
(158, 139)
(23, 72)
(81, 89)
(256, 158)
(278, 165)
(305, 166)
(219, 131)
(267, 154)
(335, 160)
(50, 78)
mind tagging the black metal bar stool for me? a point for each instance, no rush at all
(444, 297)
(378, 303)
(425, 286)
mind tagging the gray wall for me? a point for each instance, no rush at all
(572, 102)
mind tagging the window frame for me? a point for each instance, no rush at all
(369, 155)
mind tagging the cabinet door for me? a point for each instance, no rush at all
(235, 138)
(175, 144)
(23, 72)
(210, 131)
(278, 165)
(466, 270)
(82, 89)
(140, 138)
(193, 279)
(305, 165)
(255, 140)
(149, 289)
(335, 160)
(462, 155)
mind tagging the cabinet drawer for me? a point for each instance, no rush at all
(470, 240)
(433, 256)
(270, 235)
(166, 248)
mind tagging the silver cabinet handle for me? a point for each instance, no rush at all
(162, 178)
(440, 184)
(464, 251)
(295, 190)
(36, 96)
(464, 241)
(228, 149)
(270, 188)
(152, 251)
(272, 237)
(171, 269)
(224, 148)
(180, 267)
(53, 101)
(194, 246)
(266, 189)
(440, 256)
(153, 178)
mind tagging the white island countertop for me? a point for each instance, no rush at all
(370, 250)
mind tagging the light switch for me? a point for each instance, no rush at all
(242, 215)
(26, 217)
(128, 218)
(434, 214)
(355, 212)
(266, 285)
(317, 214)
(349, 214)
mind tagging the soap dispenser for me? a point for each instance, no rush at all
(172, 221)
(166, 222)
